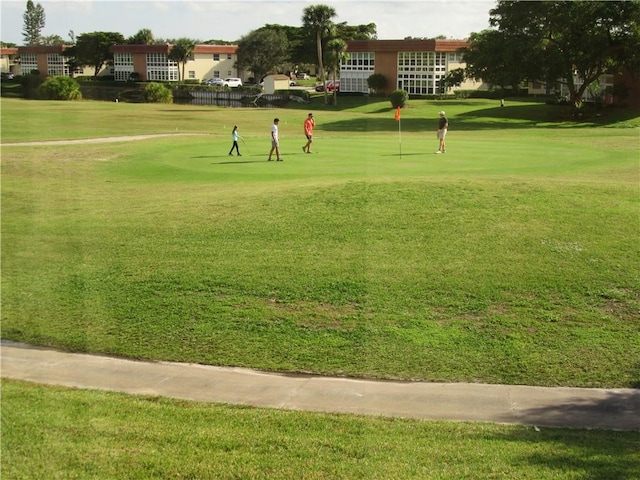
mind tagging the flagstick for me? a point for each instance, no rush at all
(400, 135)
(398, 118)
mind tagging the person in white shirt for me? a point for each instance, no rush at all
(275, 142)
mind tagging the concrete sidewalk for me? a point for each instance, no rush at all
(617, 409)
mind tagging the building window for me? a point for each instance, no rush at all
(216, 73)
(419, 73)
(228, 56)
(29, 62)
(160, 68)
(455, 57)
(122, 66)
(359, 61)
(57, 65)
(216, 57)
(355, 71)
(191, 74)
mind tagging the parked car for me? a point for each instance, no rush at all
(214, 81)
(302, 76)
(232, 82)
(330, 86)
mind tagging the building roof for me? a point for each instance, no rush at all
(215, 49)
(413, 45)
(43, 49)
(125, 48)
(166, 48)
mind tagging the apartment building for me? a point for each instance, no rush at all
(149, 62)
(416, 66)
(152, 63)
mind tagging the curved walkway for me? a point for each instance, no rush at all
(615, 409)
(127, 138)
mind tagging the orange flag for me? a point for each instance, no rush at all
(397, 116)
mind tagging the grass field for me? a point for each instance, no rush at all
(513, 258)
(53, 432)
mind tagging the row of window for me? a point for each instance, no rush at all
(159, 67)
(56, 64)
(421, 59)
(359, 61)
(418, 72)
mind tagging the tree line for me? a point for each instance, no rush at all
(569, 42)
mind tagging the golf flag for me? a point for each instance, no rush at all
(397, 116)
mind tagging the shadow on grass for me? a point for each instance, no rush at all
(610, 455)
(231, 162)
(516, 115)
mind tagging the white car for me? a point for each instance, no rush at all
(232, 82)
(214, 81)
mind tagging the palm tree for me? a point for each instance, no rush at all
(181, 51)
(336, 54)
(317, 19)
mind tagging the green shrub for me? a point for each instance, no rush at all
(399, 98)
(377, 82)
(59, 87)
(31, 80)
(157, 93)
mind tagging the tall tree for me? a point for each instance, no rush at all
(181, 52)
(336, 54)
(499, 59)
(34, 18)
(143, 37)
(94, 49)
(356, 32)
(262, 51)
(569, 41)
(317, 19)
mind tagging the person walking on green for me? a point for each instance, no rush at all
(235, 136)
(309, 124)
(275, 141)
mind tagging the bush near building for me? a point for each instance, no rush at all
(157, 93)
(59, 87)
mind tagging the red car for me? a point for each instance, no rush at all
(330, 86)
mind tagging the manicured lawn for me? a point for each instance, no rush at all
(50, 432)
(511, 259)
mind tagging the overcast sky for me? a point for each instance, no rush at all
(229, 20)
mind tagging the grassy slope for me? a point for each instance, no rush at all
(511, 259)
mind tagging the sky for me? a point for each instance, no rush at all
(230, 20)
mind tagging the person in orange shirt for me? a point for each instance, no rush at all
(309, 123)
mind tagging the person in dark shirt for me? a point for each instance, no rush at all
(443, 125)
